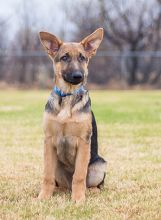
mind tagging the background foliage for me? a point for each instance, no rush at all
(129, 55)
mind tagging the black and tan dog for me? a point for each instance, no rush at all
(71, 157)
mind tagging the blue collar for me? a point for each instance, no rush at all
(60, 93)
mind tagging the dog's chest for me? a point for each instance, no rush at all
(66, 135)
(66, 151)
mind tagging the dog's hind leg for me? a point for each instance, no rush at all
(96, 173)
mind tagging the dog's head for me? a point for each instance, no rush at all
(71, 59)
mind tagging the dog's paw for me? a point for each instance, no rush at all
(94, 190)
(78, 198)
(44, 195)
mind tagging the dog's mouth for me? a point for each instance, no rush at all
(73, 77)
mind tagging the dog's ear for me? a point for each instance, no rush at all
(92, 42)
(50, 43)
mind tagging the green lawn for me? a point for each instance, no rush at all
(129, 124)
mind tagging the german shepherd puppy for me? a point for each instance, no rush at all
(71, 157)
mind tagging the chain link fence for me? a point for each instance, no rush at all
(35, 68)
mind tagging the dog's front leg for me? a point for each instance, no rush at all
(81, 166)
(50, 162)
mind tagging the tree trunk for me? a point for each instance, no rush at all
(133, 70)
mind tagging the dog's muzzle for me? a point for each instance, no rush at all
(75, 77)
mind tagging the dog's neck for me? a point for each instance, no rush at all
(64, 106)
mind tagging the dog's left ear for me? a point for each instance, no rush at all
(92, 42)
(50, 43)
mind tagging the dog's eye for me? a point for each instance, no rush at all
(81, 57)
(64, 58)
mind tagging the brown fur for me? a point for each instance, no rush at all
(67, 125)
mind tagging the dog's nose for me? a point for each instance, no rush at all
(77, 75)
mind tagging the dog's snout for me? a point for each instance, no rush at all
(77, 75)
(73, 77)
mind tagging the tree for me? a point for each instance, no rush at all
(3, 45)
(129, 27)
(24, 43)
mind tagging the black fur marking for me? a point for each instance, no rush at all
(77, 99)
(60, 100)
(86, 108)
(49, 107)
(94, 143)
(102, 182)
(56, 183)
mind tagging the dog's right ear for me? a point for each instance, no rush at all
(92, 42)
(50, 43)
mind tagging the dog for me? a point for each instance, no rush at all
(71, 157)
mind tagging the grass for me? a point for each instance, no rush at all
(129, 124)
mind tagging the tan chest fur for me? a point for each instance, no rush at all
(65, 134)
